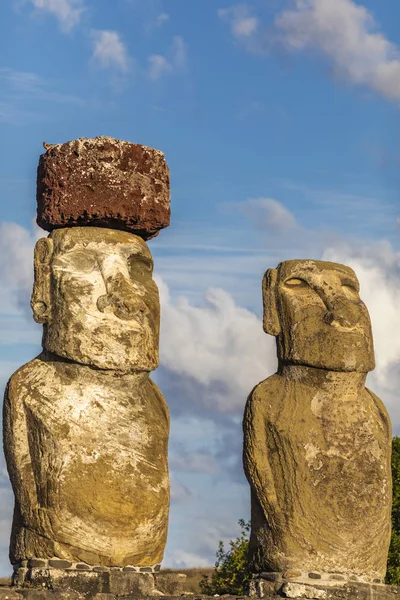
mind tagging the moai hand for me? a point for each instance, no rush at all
(85, 429)
(317, 443)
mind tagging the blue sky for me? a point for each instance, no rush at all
(279, 120)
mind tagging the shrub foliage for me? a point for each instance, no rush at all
(231, 574)
(393, 566)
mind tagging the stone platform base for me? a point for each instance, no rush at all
(356, 591)
(311, 577)
(271, 585)
(89, 584)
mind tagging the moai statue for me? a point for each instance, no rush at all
(85, 428)
(317, 442)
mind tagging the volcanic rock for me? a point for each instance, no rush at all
(103, 182)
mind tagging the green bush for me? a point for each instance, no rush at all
(231, 573)
(393, 565)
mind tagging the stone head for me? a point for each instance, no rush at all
(96, 298)
(315, 311)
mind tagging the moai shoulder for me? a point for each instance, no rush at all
(317, 442)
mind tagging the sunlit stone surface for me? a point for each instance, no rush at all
(317, 442)
(85, 429)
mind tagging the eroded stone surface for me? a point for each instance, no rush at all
(103, 182)
(95, 295)
(85, 428)
(87, 456)
(317, 443)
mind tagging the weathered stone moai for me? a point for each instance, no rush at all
(85, 429)
(317, 442)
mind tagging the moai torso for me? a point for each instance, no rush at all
(317, 443)
(91, 448)
(85, 429)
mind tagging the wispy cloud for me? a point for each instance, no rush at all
(109, 51)
(160, 19)
(159, 65)
(19, 90)
(21, 84)
(267, 213)
(178, 52)
(348, 35)
(242, 22)
(345, 32)
(151, 13)
(192, 462)
(179, 492)
(67, 12)
(338, 206)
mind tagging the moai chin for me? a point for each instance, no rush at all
(85, 429)
(317, 442)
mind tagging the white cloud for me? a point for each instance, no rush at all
(16, 266)
(345, 32)
(267, 213)
(348, 35)
(151, 13)
(161, 19)
(68, 12)
(109, 51)
(159, 65)
(220, 345)
(179, 492)
(183, 559)
(178, 52)
(193, 462)
(242, 23)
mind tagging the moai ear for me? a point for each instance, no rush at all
(41, 296)
(271, 319)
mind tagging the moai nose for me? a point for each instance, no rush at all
(122, 298)
(342, 313)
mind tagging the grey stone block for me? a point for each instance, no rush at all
(141, 584)
(37, 562)
(58, 564)
(82, 567)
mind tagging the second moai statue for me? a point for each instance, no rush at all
(317, 442)
(85, 428)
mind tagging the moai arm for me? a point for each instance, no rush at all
(255, 450)
(383, 413)
(163, 403)
(16, 450)
(255, 454)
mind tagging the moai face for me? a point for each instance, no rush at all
(314, 309)
(95, 295)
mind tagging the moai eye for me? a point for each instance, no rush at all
(296, 284)
(140, 266)
(350, 291)
(77, 261)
